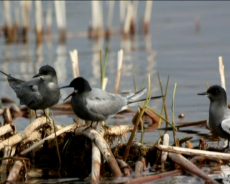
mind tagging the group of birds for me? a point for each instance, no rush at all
(91, 104)
(95, 105)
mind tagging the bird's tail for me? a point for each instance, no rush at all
(12, 81)
(135, 98)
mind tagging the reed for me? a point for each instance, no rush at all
(119, 66)
(56, 141)
(61, 19)
(104, 67)
(49, 19)
(75, 65)
(147, 16)
(128, 145)
(38, 18)
(173, 120)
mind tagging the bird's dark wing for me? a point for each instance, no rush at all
(28, 92)
(225, 124)
(102, 102)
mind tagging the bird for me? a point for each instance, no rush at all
(41, 92)
(219, 113)
(95, 104)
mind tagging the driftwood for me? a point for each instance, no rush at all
(24, 134)
(103, 147)
(194, 152)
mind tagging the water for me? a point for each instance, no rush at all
(173, 48)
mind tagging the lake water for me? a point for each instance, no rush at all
(173, 48)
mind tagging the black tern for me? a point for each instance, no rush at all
(95, 105)
(40, 92)
(219, 113)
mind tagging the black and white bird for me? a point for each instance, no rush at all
(95, 105)
(40, 92)
(219, 113)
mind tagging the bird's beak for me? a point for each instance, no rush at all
(37, 75)
(71, 94)
(65, 87)
(204, 93)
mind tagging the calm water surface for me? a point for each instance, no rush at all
(173, 48)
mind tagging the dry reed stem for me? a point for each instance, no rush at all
(119, 66)
(75, 66)
(96, 158)
(165, 143)
(128, 145)
(7, 116)
(61, 19)
(6, 129)
(34, 136)
(126, 170)
(103, 147)
(190, 167)
(105, 81)
(223, 84)
(110, 14)
(193, 152)
(221, 70)
(49, 20)
(147, 16)
(139, 168)
(50, 137)
(128, 19)
(3, 168)
(39, 122)
(155, 177)
(118, 130)
(38, 17)
(14, 173)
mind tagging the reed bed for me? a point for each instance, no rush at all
(44, 149)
